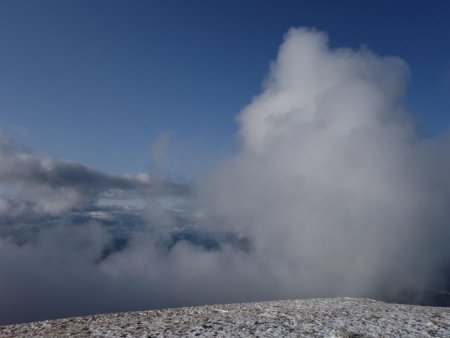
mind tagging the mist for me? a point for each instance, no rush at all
(331, 192)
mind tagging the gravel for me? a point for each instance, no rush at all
(327, 317)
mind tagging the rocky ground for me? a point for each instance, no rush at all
(329, 317)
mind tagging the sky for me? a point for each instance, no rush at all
(171, 153)
(97, 82)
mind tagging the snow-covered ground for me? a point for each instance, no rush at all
(327, 317)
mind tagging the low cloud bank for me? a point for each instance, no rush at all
(332, 193)
(54, 186)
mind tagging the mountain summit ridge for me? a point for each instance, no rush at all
(321, 317)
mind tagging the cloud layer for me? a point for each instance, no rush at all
(57, 186)
(332, 193)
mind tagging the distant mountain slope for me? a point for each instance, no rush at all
(327, 317)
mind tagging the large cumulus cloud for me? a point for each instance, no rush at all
(337, 191)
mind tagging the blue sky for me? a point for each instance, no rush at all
(96, 82)
(99, 100)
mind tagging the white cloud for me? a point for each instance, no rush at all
(332, 184)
